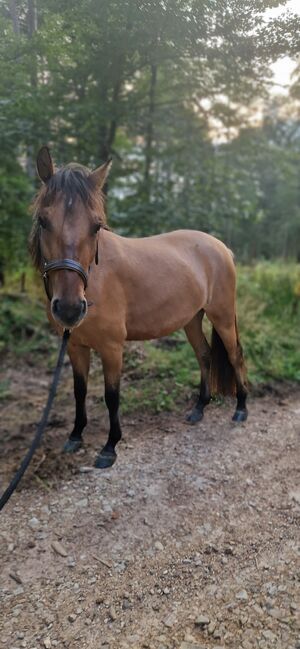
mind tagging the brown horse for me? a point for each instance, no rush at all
(108, 289)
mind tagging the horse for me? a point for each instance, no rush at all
(108, 289)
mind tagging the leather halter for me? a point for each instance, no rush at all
(63, 264)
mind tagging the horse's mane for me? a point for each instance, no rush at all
(72, 181)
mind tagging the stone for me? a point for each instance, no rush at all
(59, 549)
(170, 620)
(295, 496)
(191, 645)
(242, 596)
(72, 617)
(159, 546)
(47, 642)
(211, 627)
(268, 635)
(112, 613)
(202, 620)
(247, 645)
(15, 576)
(34, 523)
(277, 614)
(82, 503)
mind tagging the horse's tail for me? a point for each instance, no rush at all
(222, 375)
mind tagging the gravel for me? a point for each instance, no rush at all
(81, 569)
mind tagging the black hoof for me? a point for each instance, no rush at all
(105, 459)
(240, 415)
(195, 416)
(72, 445)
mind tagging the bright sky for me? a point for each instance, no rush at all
(283, 68)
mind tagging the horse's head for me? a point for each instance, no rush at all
(68, 214)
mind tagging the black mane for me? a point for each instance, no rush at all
(73, 181)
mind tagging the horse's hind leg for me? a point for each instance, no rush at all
(112, 365)
(226, 330)
(80, 360)
(202, 351)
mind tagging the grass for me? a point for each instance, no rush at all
(161, 375)
(269, 320)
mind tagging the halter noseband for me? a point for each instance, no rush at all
(63, 264)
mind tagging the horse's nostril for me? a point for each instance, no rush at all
(83, 307)
(55, 306)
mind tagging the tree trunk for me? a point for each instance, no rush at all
(23, 282)
(107, 133)
(14, 17)
(150, 130)
(31, 18)
(31, 29)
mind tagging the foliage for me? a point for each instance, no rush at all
(23, 327)
(269, 299)
(170, 89)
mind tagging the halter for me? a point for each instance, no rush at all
(63, 264)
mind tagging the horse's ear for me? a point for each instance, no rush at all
(100, 174)
(44, 164)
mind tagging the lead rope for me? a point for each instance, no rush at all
(41, 426)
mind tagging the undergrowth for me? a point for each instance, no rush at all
(159, 375)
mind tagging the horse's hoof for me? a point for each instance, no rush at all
(72, 445)
(240, 415)
(194, 416)
(105, 459)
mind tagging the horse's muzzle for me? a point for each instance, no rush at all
(68, 314)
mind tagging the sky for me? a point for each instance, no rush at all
(283, 68)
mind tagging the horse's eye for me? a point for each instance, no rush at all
(43, 223)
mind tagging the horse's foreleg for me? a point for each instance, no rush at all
(80, 360)
(112, 366)
(202, 351)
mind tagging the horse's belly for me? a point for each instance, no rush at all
(156, 315)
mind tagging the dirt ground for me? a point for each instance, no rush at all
(190, 541)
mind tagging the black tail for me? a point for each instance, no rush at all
(222, 375)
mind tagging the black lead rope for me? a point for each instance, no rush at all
(41, 426)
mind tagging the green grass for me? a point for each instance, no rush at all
(269, 320)
(24, 328)
(161, 376)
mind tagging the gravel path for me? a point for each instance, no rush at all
(190, 541)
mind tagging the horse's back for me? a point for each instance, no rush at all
(188, 245)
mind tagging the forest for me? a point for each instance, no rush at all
(181, 94)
